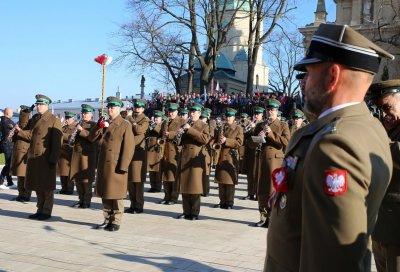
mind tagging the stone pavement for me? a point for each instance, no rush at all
(221, 240)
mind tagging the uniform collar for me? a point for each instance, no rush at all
(335, 108)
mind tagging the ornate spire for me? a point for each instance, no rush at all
(320, 13)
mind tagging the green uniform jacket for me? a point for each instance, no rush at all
(20, 149)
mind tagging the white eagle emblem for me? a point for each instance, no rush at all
(335, 183)
(279, 177)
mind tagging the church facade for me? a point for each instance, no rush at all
(379, 20)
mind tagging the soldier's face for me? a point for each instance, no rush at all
(316, 94)
(185, 116)
(258, 116)
(172, 114)
(390, 106)
(70, 121)
(298, 122)
(42, 108)
(139, 110)
(230, 119)
(272, 113)
(87, 116)
(113, 111)
(195, 115)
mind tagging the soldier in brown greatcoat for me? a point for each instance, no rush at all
(115, 154)
(64, 161)
(84, 158)
(192, 163)
(297, 121)
(269, 155)
(243, 122)
(169, 165)
(204, 117)
(227, 170)
(19, 156)
(138, 166)
(250, 153)
(154, 149)
(45, 137)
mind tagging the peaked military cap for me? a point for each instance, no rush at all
(69, 114)
(230, 112)
(158, 113)
(205, 114)
(298, 114)
(183, 111)
(273, 103)
(343, 45)
(383, 88)
(173, 106)
(244, 115)
(258, 109)
(196, 107)
(113, 101)
(139, 103)
(42, 99)
(24, 107)
(86, 108)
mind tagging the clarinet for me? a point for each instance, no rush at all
(72, 138)
(264, 130)
(178, 138)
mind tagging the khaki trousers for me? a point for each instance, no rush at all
(136, 194)
(113, 210)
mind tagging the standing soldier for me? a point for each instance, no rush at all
(243, 122)
(184, 114)
(297, 121)
(64, 162)
(154, 149)
(227, 170)
(169, 166)
(250, 153)
(336, 169)
(274, 136)
(115, 154)
(192, 163)
(6, 145)
(45, 137)
(386, 235)
(19, 156)
(84, 157)
(138, 166)
(205, 116)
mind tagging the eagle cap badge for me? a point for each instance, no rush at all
(335, 182)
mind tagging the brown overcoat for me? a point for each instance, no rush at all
(192, 161)
(115, 154)
(64, 161)
(171, 151)
(154, 149)
(84, 154)
(45, 137)
(138, 165)
(227, 170)
(20, 149)
(208, 148)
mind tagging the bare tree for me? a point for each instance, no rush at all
(284, 52)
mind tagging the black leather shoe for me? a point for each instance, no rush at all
(163, 202)
(181, 216)
(111, 227)
(19, 199)
(68, 192)
(101, 226)
(153, 190)
(34, 216)
(44, 216)
(217, 206)
(26, 199)
(136, 210)
(76, 205)
(170, 203)
(129, 210)
(84, 206)
(262, 224)
(10, 183)
(229, 207)
(205, 195)
(194, 217)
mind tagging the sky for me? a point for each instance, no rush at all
(48, 47)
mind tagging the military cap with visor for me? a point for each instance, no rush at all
(158, 113)
(229, 112)
(69, 114)
(383, 88)
(173, 106)
(298, 114)
(183, 111)
(113, 101)
(244, 115)
(258, 109)
(273, 103)
(139, 103)
(86, 108)
(196, 107)
(42, 99)
(343, 45)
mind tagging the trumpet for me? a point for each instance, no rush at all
(250, 126)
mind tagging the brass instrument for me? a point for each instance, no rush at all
(152, 124)
(218, 134)
(264, 130)
(249, 126)
(161, 141)
(178, 138)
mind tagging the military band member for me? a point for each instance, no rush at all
(227, 170)
(297, 121)
(269, 155)
(138, 166)
(205, 117)
(184, 114)
(115, 155)
(243, 122)
(192, 163)
(64, 161)
(386, 235)
(337, 168)
(154, 149)
(19, 156)
(84, 157)
(45, 137)
(250, 153)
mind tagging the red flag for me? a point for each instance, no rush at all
(103, 59)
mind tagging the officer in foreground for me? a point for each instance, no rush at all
(386, 235)
(336, 170)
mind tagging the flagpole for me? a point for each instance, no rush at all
(103, 67)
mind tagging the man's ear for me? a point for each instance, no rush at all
(334, 73)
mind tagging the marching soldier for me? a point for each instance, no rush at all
(138, 166)
(84, 157)
(243, 122)
(19, 156)
(154, 149)
(250, 153)
(274, 135)
(115, 155)
(337, 168)
(192, 163)
(169, 166)
(64, 162)
(386, 235)
(45, 137)
(205, 116)
(297, 121)
(184, 114)
(227, 170)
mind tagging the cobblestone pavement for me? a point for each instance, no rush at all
(221, 240)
